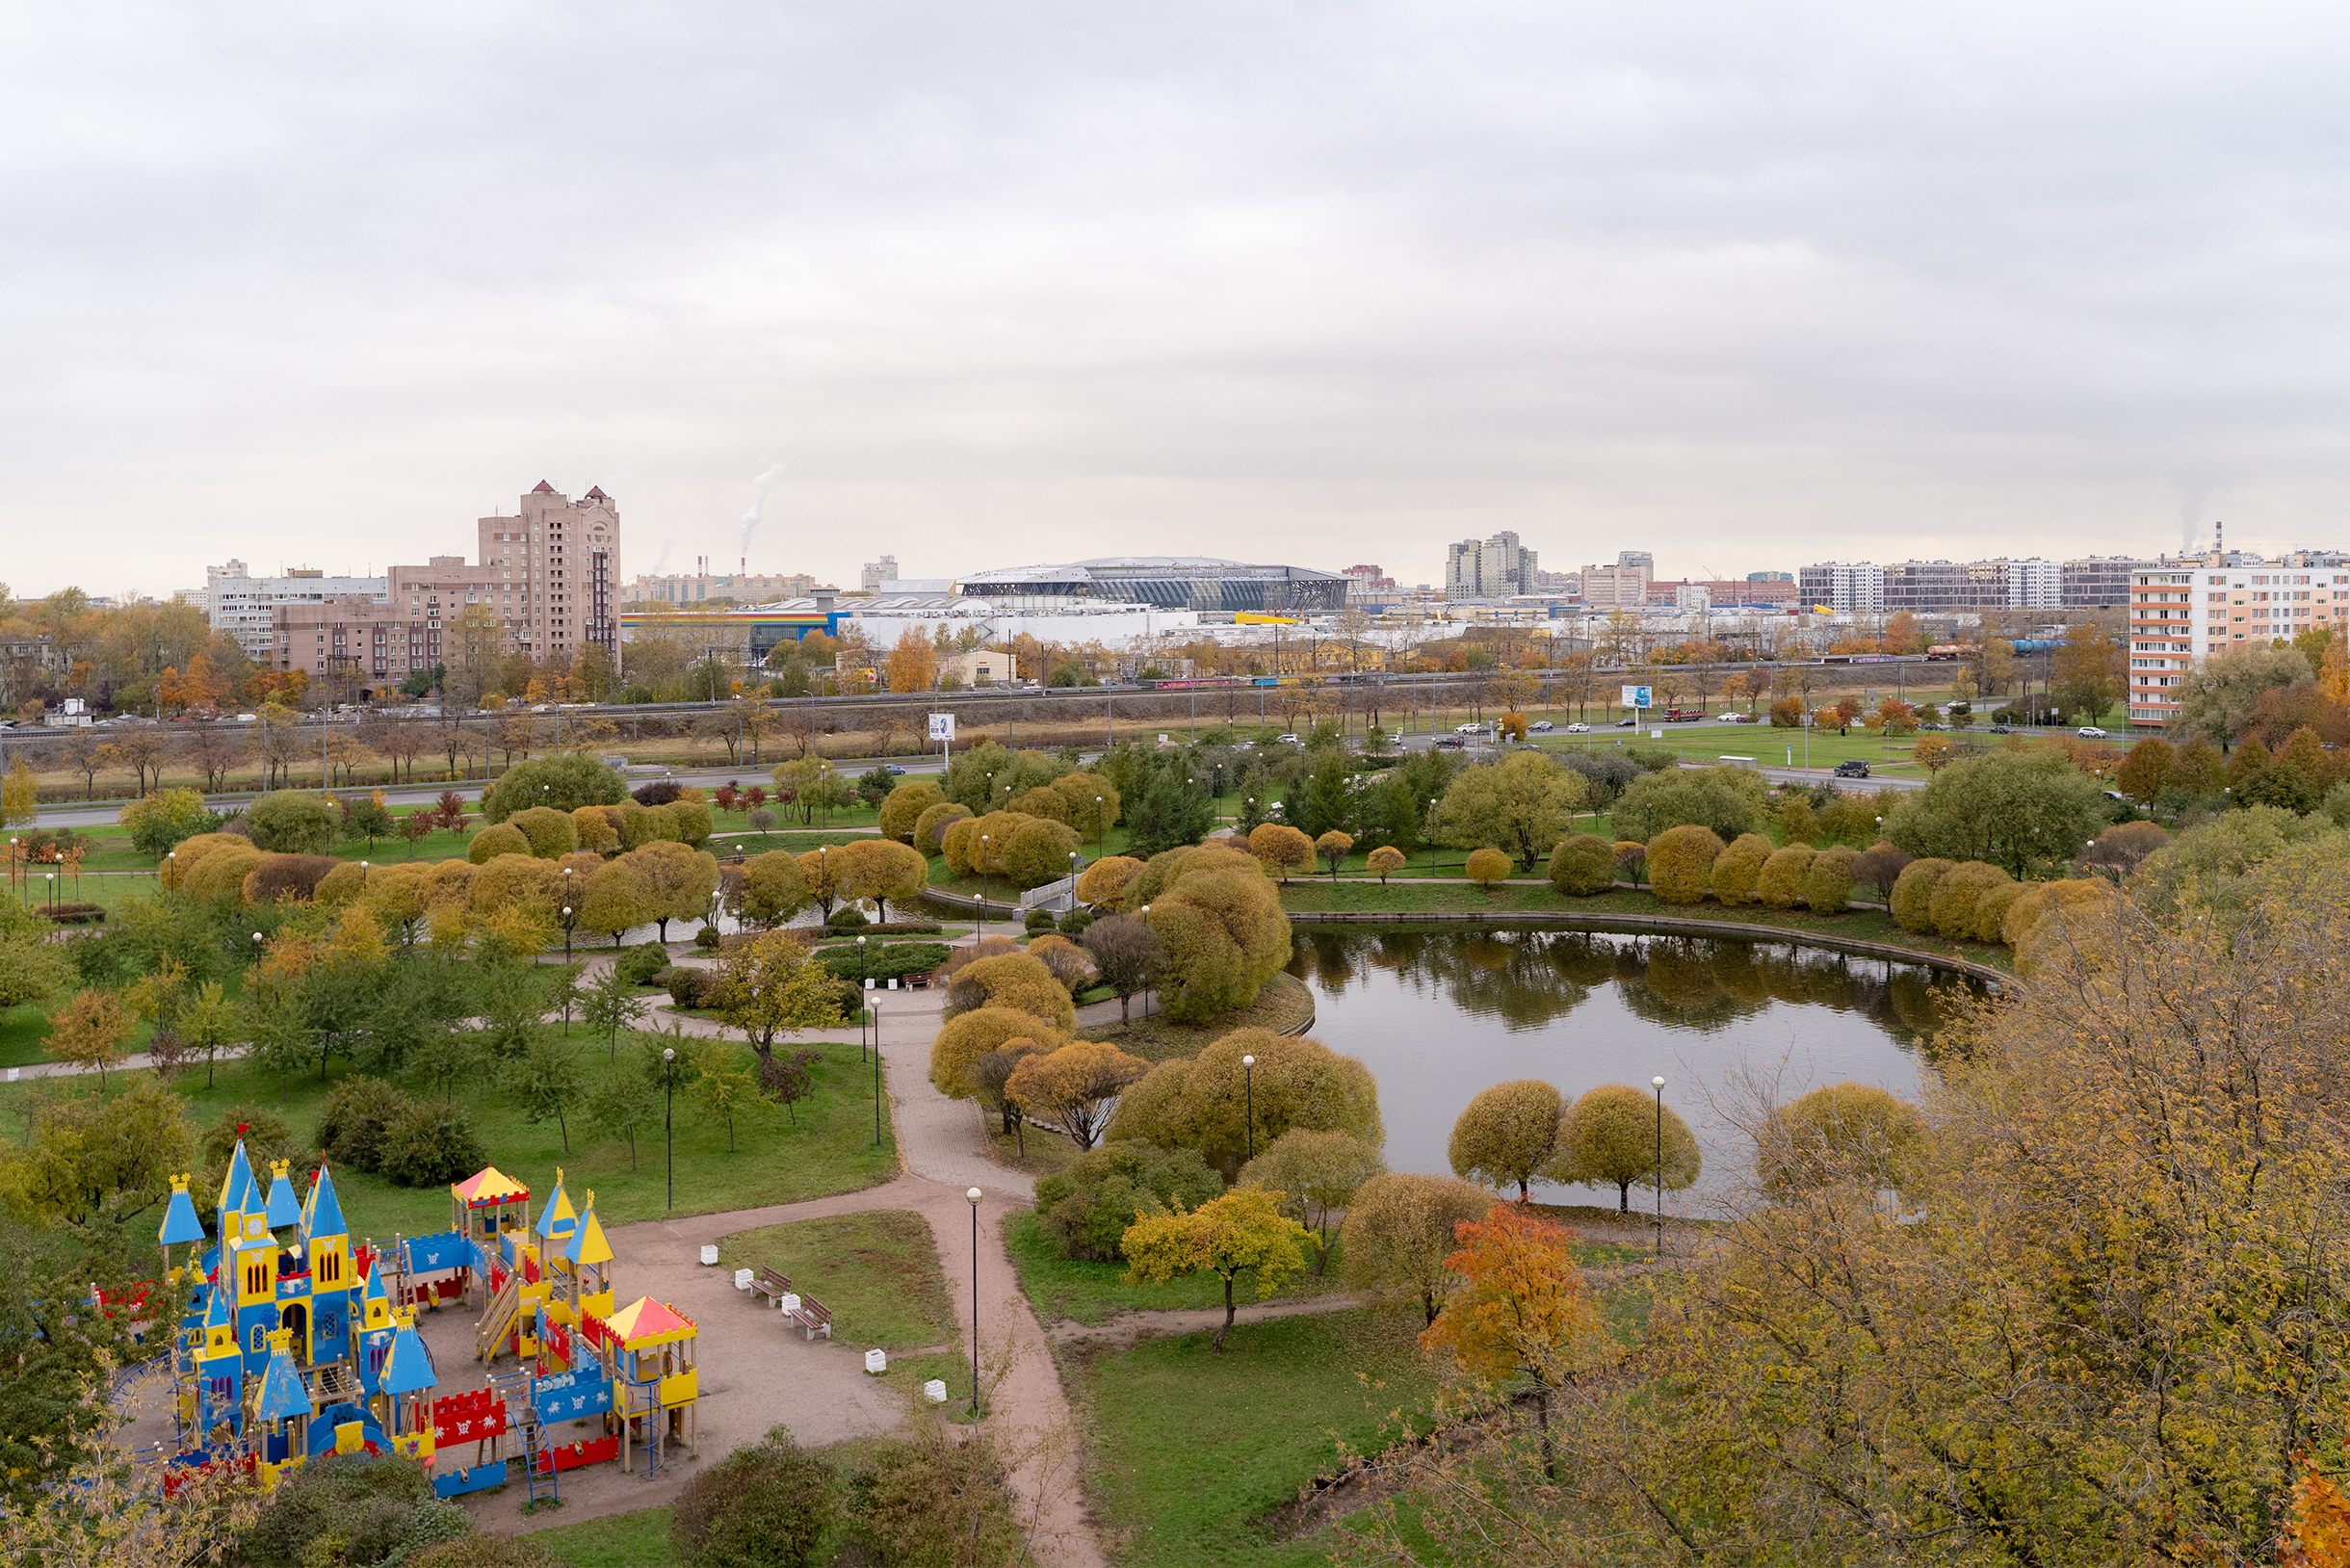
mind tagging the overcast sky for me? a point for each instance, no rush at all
(1745, 285)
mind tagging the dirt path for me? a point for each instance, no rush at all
(1128, 1329)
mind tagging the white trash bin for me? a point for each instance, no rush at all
(710, 1257)
(935, 1391)
(742, 1279)
(876, 1362)
(787, 1302)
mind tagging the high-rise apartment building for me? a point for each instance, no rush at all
(1641, 559)
(2102, 582)
(237, 602)
(1496, 569)
(1934, 586)
(873, 573)
(547, 576)
(2184, 612)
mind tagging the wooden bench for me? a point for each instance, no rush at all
(814, 1318)
(772, 1284)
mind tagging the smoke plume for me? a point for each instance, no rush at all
(758, 504)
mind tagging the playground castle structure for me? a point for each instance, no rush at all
(286, 1350)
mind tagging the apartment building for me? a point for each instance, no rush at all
(1494, 568)
(2103, 581)
(2181, 612)
(547, 574)
(871, 576)
(244, 606)
(1847, 588)
(1625, 583)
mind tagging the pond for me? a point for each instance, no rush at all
(1440, 1014)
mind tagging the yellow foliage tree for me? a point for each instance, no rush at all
(1243, 1232)
(1522, 1311)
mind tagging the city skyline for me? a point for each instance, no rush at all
(1015, 285)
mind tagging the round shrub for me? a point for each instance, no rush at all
(1914, 893)
(2042, 898)
(287, 878)
(551, 834)
(1990, 910)
(159, 822)
(293, 822)
(935, 822)
(1087, 1206)
(971, 1036)
(351, 1126)
(474, 1550)
(1038, 851)
(491, 842)
(759, 1507)
(1074, 922)
(638, 965)
(593, 828)
(1680, 861)
(1780, 883)
(847, 918)
(1845, 1132)
(1953, 904)
(692, 822)
(659, 793)
(903, 812)
(351, 1509)
(1384, 861)
(1827, 881)
(1016, 981)
(565, 783)
(1584, 864)
(1737, 868)
(1038, 920)
(430, 1145)
(219, 879)
(1486, 867)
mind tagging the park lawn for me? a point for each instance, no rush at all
(878, 1273)
(1283, 1004)
(1192, 1449)
(830, 1150)
(620, 1540)
(1093, 1292)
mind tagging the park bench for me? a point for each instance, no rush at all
(771, 1283)
(814, 1318)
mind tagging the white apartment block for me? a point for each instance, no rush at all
(1850, 588)
(244, 606)
(2035, 585)
(2181, 612)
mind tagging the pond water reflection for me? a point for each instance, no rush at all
(1440, 1014)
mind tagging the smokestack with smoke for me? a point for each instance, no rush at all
(758, 502)
(2190, 509)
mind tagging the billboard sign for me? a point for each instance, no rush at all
(1638, 696)
(942, 727)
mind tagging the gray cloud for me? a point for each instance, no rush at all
(1744, 286)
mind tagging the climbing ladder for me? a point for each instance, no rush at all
(643, 1399)
(522, 1419)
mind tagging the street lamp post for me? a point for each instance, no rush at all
(877, 1081)
(1658, 1081)
(983, 841)
(863, 1007)
(668, 1116)
(1146, 984)
(1248, 1067)
(569, 919)
(973, 1194)
(1101, 829)
(1076, 864)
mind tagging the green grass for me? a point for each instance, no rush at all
(829, 1151)
(1093, 1292)
(878, 1273)
(1193, 1449)
(621, 1540)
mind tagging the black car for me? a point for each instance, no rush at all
(1450, 742)
(2002, 729)
(1627, 723)
(1855, 769)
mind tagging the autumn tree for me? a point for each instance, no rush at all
(1398, 1230)
(773, 985)
(1076, 1087)
(1522, 1311)
(1126, 953)
(880, 870)
(1243, 1232)
(913, 663)
(1522, 805)
(1506, 1134)
(1206, 1102)
(1318, 1175)
(93, 1031)
(1281, 847)
(1613, 1137)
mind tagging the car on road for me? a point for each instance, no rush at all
(1578, 729)
(891, 767)
(1855, 769)
(1540, 725)
(1627, 723)
(2090, 732)
(1289, 740)
(1453, 741)
(1468, 729)
(1928, 724)
(2000, 729)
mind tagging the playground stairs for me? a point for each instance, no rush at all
(498, 1323)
